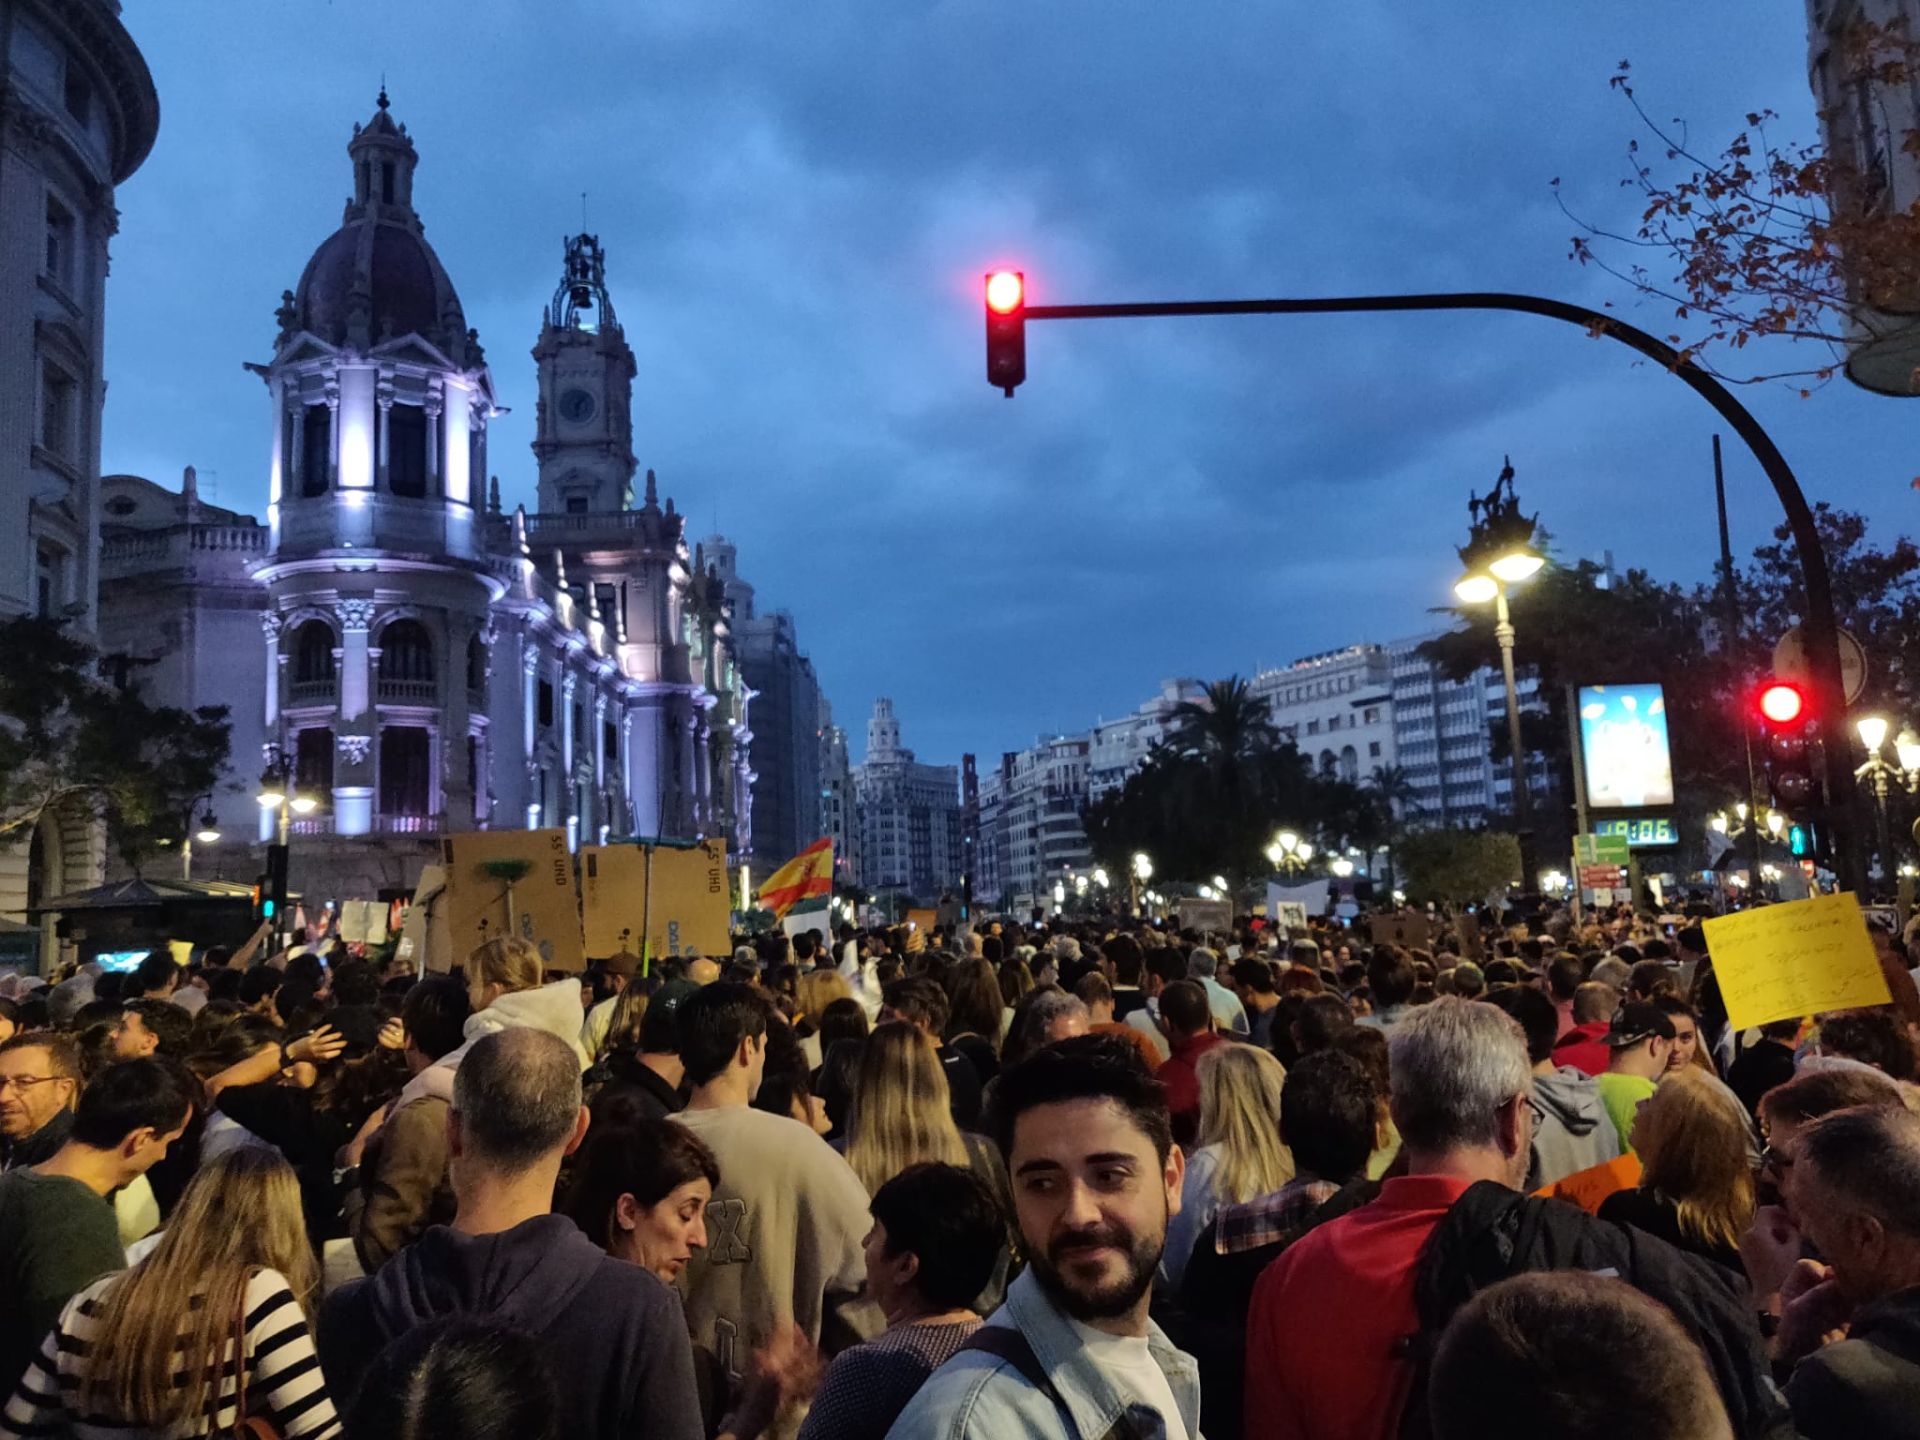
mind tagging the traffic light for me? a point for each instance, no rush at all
(262, 899)
(1786, 720)
(276, 882)
(1006, 329)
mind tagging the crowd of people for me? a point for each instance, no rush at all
(1088, 1178)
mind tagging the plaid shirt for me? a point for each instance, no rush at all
(1263, 1221)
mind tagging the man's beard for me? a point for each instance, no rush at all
(1114, 1298)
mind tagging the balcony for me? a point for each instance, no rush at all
(406, 692)
(382, 825)
(312, 692)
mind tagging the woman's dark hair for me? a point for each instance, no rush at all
(458, 1379)
(216, 1048)
(976, 1005)
(842, 1020)
(946, 1217)
(1537, 1018)
(1369, 1046)
(1873, 1037)
(646, 1158)
(834, 1081)
(307, 969)
(1321, 1020)
(259, 983)
(435, 1013)
(1328, 1108)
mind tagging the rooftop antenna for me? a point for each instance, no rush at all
(583, 212)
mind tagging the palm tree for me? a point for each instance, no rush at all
(1227, 725)
(1399, 801)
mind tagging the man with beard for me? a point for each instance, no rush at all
(1095, 1176)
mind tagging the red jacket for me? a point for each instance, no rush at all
(1181, 1075)
(1585, 1047)
(1328, 1317)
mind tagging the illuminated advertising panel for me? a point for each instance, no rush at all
(1623, 745)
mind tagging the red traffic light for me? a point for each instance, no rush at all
(1782, 704)
(1006, 291)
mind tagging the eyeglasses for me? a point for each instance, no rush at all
(1536, 1112)
(24, 1083)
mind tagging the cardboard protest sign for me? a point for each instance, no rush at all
(1778, 961)
(540, 905)
(672, 898)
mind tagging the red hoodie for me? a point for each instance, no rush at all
(1585, 1047)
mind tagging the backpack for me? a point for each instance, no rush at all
(1493, 1233)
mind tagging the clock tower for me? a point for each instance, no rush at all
(583, 433)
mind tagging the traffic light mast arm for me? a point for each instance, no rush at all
(1821, 626)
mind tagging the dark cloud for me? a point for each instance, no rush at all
(798, 203)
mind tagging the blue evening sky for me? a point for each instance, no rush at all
(798, 201)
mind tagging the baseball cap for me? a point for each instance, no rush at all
(1636, 1021)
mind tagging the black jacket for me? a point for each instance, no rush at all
(1869, 1383)
(616, 1337)
(40, 1145)
(621, 1084)
(1493, 1233)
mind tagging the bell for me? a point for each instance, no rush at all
(582, 297)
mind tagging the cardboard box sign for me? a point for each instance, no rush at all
(541, 906)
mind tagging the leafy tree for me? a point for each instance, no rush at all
(1771, 237)
(67, 738)
(1458, 866)
(1208, 799)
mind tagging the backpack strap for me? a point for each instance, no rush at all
(1009, 1343)
(1006, 1342)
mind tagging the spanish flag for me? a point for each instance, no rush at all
(808, 876)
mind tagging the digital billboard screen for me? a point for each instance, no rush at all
(1623, 737)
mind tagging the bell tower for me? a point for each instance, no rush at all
(583, 431)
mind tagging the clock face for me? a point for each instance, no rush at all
(576, 405)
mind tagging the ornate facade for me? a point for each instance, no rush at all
(426, 662)
(78, 115)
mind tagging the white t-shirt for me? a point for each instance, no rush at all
(1126, 1361)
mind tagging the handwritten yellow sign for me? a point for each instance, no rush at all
(1779, 961)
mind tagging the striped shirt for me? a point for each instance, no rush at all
(283, 1380)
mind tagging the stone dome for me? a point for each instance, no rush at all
(386, 271)
(376, 278)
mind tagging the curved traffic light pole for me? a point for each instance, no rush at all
(1821, 626)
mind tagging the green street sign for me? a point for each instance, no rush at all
(1600, 849)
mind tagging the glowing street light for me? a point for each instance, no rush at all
(1289, 852)
(1500, 551)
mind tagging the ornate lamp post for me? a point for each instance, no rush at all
(1500, 551)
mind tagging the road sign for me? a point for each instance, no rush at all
(1790, 662)
(1600, 849)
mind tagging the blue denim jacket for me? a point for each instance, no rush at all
(977, 1396)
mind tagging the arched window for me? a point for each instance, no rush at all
(406, 663)
(1349, 764)
(313, 659)
(406, 651)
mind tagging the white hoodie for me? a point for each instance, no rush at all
(554, 1008)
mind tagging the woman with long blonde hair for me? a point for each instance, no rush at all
(1695, 1144)
(1239, 1157)
(900, 1114)
(211, 1329)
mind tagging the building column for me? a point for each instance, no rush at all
(383, 434)
(270, 628)
(529, 697)
(457, 811)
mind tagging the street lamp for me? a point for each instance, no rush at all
(1141, 873)
(1289, 852)
(277, 792)
(1341, 866)
(1881, 775)
(207, 834)
(1499, 552)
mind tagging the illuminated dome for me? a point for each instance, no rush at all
(376, 278)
